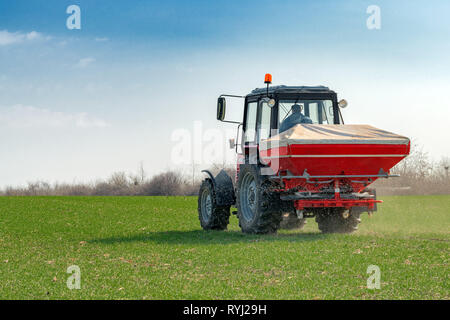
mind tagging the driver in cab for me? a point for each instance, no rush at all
(295, 118)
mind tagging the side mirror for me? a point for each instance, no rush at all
(221, 107)
(343, 103)
(232, 142)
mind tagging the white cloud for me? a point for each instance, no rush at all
(33, 35)
(20, 116)
(101, 39)
(7, 38)
(83, 63)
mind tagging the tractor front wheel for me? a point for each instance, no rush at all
(337, 220)
(211, 216)
(259, 208)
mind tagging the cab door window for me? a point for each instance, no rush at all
(264, 122)
(250, 125)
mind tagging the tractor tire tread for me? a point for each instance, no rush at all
(220, 215)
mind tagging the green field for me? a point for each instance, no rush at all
(153, 248)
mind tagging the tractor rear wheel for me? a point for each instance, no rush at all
(259, 208)
(211, 216)
(291, 221)
(337, 220)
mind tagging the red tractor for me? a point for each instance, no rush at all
(296, 160)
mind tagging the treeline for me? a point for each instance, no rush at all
(418, 175)
(169, 183)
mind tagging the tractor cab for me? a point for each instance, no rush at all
(272, 110)
(267, 111)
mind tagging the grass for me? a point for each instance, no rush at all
(153, 248)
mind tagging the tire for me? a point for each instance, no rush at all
(211, 216)
(259, 208)
(331, 221)
(291, 221)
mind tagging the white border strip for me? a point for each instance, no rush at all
(270, 144)
(336, 156)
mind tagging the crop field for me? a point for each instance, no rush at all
(154, 248)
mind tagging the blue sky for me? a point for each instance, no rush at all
(80, 104)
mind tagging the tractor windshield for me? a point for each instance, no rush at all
(292, 112)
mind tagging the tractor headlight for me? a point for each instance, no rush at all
(343, 103)
(271, 103)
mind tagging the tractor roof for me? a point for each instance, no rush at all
(291, 89)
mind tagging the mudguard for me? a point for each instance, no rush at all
(223, 188)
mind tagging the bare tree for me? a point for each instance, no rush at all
(138, 178)
(165, 184)
(444, 165)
